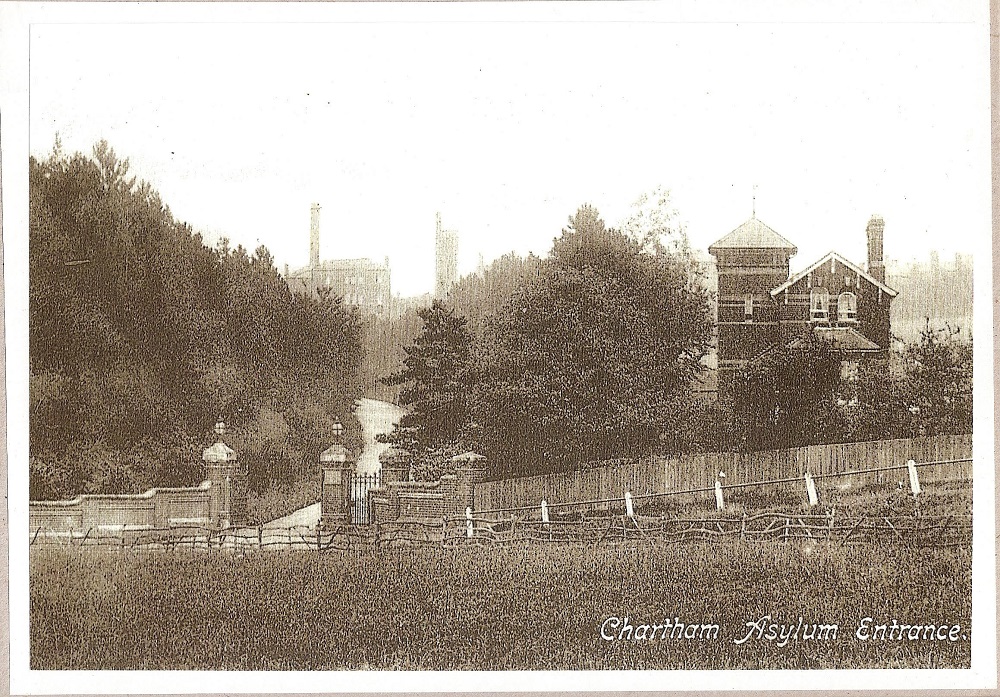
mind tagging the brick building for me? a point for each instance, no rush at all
(445, 259)
(760, 305)
(362, 283)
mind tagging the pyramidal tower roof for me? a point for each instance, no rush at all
(753, 234)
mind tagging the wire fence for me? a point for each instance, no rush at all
(705, 489)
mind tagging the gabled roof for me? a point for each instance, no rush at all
(849, 264)
(841, 339)
(753, 234)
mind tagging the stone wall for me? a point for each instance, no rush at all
(426, 501)
(218, 502)
(156, 508)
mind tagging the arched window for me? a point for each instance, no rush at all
(847, 307)
(819, 305)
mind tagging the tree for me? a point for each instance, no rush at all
(435, 380)
(591, 359)
(653, 222)
(141, 336)
(787, 397)
(939, 380)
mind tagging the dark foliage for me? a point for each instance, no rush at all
(798, 395)
(141, 336)
(435, 380)
(592, 359)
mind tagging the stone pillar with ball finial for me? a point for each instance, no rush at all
(336, 470)
(229, 481)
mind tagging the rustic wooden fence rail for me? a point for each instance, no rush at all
(346, 538)
(872, 460)
(921, 531)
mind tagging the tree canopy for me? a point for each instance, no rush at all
(435, 380)
(593, 357)
(141, 336)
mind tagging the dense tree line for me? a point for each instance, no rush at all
(799, 395)
(587, 354)
(141, 336)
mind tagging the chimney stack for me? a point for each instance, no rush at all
(314, 237)
(876, 267)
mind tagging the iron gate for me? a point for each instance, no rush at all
(362, 512)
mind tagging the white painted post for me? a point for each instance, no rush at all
(719, 503)
(811, 490)
(914, 479)
(629, 511)
(468, 522)
(545, 512)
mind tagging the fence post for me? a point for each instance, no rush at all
(468, 522)
(811, 490)
(786, 530)
(911, 466)
(629, 510)
(719, 502)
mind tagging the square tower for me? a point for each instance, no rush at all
(751, 260)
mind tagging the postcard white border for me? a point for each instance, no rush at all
(15, 19)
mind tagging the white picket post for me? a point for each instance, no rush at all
(629, 511)
(468, 522)
(911, 466)
(545, 512)
(811, 490)
(719, 503)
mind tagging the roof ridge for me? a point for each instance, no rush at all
(754, 233)
(796, 277)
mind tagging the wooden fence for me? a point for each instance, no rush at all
(193, 538)
(655, 475)
(917, 530)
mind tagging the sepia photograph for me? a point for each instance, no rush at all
(554, 344)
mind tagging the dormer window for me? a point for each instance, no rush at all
(847, 307)
(819, 305)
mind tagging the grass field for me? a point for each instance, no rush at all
(529, 607)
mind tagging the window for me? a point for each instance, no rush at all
(748, 308)
(819, 305)
(847, 307)
(849, 372)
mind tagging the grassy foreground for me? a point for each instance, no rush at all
(532, 607)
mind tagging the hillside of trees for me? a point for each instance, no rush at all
(141, 337)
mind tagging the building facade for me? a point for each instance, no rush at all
(445, 259)
(361, 283)
(762, 306)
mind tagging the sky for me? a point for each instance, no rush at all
(505, 128)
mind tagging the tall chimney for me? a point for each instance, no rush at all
(314, 237)
(876, 267)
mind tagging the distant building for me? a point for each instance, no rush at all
(760, 306)
(445, 259)
(362, 283)
(932, 290)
